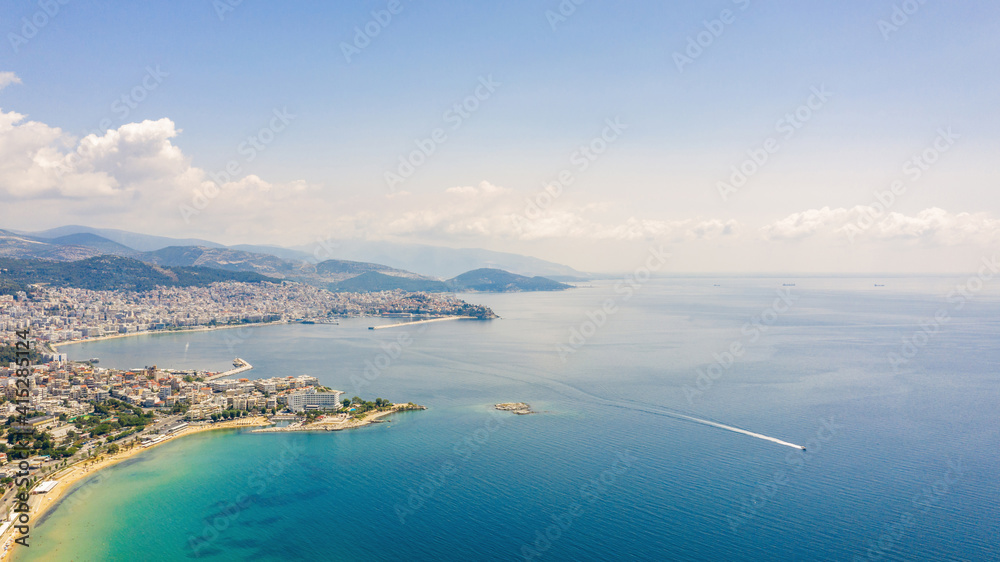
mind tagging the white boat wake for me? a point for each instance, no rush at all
(677, 415)
(738, 430)
(570, 390)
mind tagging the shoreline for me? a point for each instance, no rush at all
(72, 474)
(55, 346)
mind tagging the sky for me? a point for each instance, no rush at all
(739, 135)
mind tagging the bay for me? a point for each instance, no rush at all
(900, 461)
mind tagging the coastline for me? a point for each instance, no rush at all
(339, 426)
(84, 469)
(56, 346)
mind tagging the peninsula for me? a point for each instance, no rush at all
(84, 418)
(345, 420)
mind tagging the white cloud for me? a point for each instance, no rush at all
(8, 78)
(488, 211)
(933, 226)
(806, 223)
(135, 161)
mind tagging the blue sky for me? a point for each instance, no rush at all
(892, 92)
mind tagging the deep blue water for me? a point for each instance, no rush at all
(901, 464)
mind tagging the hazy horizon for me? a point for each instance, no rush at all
(740, 136)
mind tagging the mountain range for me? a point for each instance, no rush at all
(333, 274)
(433, 261)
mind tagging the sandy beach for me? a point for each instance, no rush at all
(72, 474)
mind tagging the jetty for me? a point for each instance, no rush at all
(241, 366)
(415, 322)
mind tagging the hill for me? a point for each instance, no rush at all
(134, 240)
(105, 273)
(484, 280)
(99, 243)
(23, 246)
(489, 280)
(222, 258)
(374, 281)
(446, 262)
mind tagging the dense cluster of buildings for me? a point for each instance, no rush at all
(60, 391)
(64, 314)
(69, 388)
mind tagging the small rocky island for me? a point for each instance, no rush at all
(519, 408)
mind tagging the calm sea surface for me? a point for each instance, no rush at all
(901, 460)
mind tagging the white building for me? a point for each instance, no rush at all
(310, 399)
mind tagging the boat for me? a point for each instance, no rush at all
(94, 360)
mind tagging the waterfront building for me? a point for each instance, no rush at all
(310, 399)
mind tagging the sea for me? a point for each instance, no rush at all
(641, 388)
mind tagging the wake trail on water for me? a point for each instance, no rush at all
(659, 410)
(569, 390)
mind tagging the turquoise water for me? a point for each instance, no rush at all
(901, 464)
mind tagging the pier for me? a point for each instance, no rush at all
(241, 367)
(421, 322)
